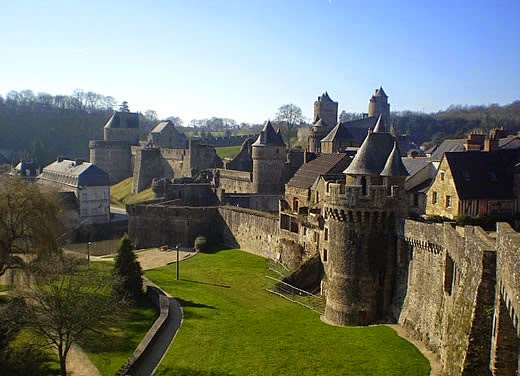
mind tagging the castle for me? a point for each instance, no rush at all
(456, 288)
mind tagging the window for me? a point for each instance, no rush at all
(325, 255)
(364, 190)
(84, 196)
(448, 201)
(317, 197)
(441, 175)
(326, 236)
(305, 231)
(434, 197)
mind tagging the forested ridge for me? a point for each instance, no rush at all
(42, 126)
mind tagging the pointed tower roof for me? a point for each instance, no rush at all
(269, 137)
(394, 165)
(372, 155)
(325, 98)
(379, 127)
(380, 92)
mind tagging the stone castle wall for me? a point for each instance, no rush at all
(147, 166)
(229, 140)
(113, 157)
(450, 293)
(253, 231)
(156, 225)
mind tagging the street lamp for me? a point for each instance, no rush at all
(88, 253)
(177, 263)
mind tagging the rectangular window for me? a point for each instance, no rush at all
(448, 201)
(442, 175)
(326, 236)
(434, 197)
(325, 255)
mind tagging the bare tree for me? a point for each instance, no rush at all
(29, 223)
(291, 116)
(62, 307)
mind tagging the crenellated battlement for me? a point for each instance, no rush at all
(339, 195)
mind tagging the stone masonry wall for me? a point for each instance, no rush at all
(252, 231)
(449, 293)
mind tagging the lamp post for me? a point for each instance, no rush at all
(177, 263)
(88, 253)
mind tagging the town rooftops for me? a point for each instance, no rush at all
(123, 120)
(269, 137)
(74, 173)
(323, 164)
(447, 146)
(483, 175)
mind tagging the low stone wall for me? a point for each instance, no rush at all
(161, 301)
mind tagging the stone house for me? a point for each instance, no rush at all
(89, 184)
(475, 184)
(422, 170)
(165, 135)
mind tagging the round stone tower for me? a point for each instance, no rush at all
(325, 118)
(361, 217)
(269, 156)
(378, 105)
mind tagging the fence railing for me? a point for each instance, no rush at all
(294, 294)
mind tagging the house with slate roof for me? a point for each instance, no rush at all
(476, 184)
(165, 135)
(89, 184)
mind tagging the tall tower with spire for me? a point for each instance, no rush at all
(325, 118)
(269, 155)
(361, 217)
(378, 105)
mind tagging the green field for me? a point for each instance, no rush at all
(228, 151)
(232, 326)
(109, 348)
(121, 194)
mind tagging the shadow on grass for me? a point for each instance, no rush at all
(212, 249)
(206, 283)
(30, 359)
(185, 371)
(191, 304)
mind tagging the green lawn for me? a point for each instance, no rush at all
(232, 326)
(228, 151)
(109, 348)
(121, 194)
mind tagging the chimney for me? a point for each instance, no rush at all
(475, 142)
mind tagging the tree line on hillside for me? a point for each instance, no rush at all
(41, 126)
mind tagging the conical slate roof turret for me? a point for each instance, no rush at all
(372, 155)
(269, 137)
(379, 127)
(394, 165)
(325, 98)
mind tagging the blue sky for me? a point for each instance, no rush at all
(243, 59)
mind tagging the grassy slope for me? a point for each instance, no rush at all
(233, 326)
(121, 194)
(110, 348)
(228, 151)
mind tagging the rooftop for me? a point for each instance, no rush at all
(323, 164)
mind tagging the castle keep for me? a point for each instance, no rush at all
(456, 288)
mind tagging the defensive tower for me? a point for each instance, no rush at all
(325, 117)
(112, 154)
(269, 156)
(378, 105)
(361, 217)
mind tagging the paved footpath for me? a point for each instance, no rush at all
(78, 363)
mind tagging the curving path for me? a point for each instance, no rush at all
(154, 353)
